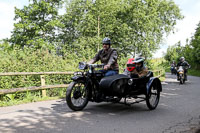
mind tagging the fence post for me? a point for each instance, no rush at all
(1, 97)
(160, 72)
(42, 77)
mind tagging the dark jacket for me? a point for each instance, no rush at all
(184, 64)
(107, 58)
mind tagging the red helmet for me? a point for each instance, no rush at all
(130, 64)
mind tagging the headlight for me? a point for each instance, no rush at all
(130, 81)
(78, 73)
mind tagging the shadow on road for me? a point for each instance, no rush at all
(59, 117)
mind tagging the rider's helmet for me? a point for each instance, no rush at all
(130, 64)
(106, 40)
(139, 60)
(182, 59)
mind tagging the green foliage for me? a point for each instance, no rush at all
(194, 72)
(29, 60)
(36, 24)
(157, 66)
(134, 26)
(174, 52)
(191, 51)
(195, 46)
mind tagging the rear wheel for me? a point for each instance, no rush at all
(152, 98)
(77, 95)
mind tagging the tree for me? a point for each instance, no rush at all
(36, 24)
(133, 26)
(174, 52)
(195, 43)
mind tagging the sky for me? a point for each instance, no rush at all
(184, 28)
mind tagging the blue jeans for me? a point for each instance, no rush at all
(109, 72)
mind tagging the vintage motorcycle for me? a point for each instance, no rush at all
(173, 70)
(91, 85)
(181, 74)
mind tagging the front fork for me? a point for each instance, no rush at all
(95, 93)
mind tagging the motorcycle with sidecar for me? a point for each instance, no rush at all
(91, 85)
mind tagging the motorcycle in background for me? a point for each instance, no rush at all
(173, 70)
(181, 74)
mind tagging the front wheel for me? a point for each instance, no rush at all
(152, 98)
(181, 79)
(77, 95)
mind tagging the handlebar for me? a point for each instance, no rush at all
(96, 65)
(84, 65)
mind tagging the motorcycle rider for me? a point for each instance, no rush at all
(108, 56)
(185, 65)
(130, 67)
(136, 68)
(173, 67)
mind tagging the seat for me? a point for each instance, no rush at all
(141, 82)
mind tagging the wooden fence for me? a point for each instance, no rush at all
(158, 73)
(43, 87)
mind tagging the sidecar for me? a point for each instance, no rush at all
(147, 89)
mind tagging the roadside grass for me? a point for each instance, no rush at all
(162, 78)
(167, 69)
(24, 101)
(194, 72)
(28, 97)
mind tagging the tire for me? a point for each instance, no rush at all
(117, 99)
(77, 95)
(153, 97)
(181, 80)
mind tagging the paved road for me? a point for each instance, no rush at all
(178, 111)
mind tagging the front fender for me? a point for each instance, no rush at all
(154, 80)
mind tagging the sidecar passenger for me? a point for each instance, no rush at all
(140, 82)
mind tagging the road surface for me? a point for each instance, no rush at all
(178, 111)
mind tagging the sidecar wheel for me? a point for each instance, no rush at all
(77, 95)
(117, 99)
(153, 97)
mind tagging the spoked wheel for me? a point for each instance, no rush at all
(152, 98)
(77, 95)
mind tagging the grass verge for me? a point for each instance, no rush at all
(24, 101)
